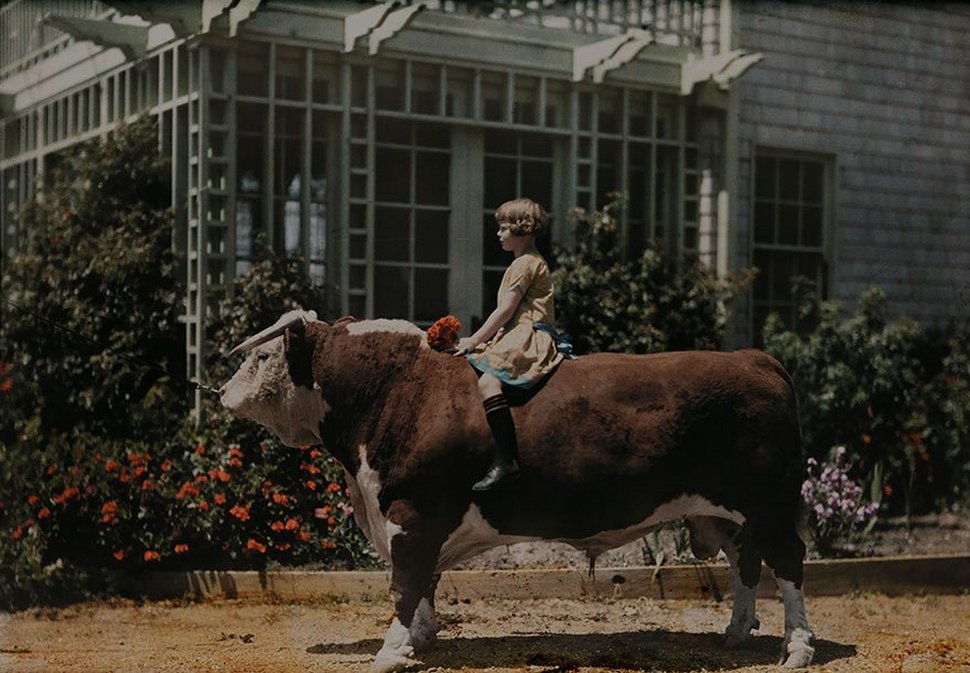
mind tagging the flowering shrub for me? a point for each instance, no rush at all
(836, 502)
(654, 302)
(897, 398)
(101, 470)
(443, 334)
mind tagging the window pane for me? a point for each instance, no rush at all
(493, 255)
(781, 276)
(788, 180)
(812, 182)
(537, 182)
(764, 222)
(764, 174)
(493, 95)
(395, 131)
(391, 289)
(290, 72)
(762, 263)
(389, 92)
(609, 110)
(498, 141)
(490, 284)
(252, 73)
(526, 98)
(392, 173)
(536, 145)
(324, 77)
(432, 178)
(392, 234)
(432, 135)
(431, 236)
(430, 294)
(500, 181)
(639, 122)
(424, 88)
(788, 225)
(811, 226)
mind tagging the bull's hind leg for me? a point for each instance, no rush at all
(708, 535)
(746, 568)
(784, 554)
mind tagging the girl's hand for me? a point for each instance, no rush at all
(465, 345)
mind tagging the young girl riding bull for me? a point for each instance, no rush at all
(515, 346)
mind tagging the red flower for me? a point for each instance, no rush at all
(33, 500)
(281, 499)
(312, 469)
(235, 452)
(6, 385)
(151, 556)
(443, 334)
(51, 469)
(200, 449)
(203, 505)
(147, 485)
(181, 548)
(240, 512)
(188, 490)
(219, 499)
(120, 554)
(43, 514)
(304, 536)
(292, 524)
(253, 545)
(234, 462)
(166, 465)
(110, 466)
(316, 453)
(312, 485)
(333, 487)
(328, 544)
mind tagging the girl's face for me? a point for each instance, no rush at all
(505, 237)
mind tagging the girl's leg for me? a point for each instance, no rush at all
(504, 469)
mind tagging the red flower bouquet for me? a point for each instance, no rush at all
(443, 334)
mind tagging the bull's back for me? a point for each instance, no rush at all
(612, 437)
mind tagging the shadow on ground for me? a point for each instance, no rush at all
(640, 650)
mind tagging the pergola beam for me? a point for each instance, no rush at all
(132, 40)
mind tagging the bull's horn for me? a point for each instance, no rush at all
(286, 321)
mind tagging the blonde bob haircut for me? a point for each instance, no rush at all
(525, 217)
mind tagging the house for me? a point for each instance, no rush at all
(374, 139)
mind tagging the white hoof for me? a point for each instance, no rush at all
(397, 652)
(797, 652)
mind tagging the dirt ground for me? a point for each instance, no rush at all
(854, 633)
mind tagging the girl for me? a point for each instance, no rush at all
(514, 345)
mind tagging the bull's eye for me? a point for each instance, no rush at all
(262, 357)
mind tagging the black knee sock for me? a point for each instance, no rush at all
(499, 419)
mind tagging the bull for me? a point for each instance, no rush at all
(612, 446)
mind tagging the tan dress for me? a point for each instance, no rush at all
(520, 354)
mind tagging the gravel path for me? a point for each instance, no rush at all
(855, 633)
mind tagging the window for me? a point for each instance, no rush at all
(517, 164)
(412, 166)
(249, 170)
(789, 216)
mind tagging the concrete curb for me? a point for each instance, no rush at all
(893, 576)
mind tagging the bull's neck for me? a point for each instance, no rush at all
(365, 380)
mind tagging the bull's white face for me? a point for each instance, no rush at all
(262, 390)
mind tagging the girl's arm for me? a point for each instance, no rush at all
(501, 315)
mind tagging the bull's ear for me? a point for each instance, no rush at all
(299, 346)
(343, 321)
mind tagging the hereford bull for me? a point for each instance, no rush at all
(611, 447)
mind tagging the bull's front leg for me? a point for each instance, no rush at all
(414, 554)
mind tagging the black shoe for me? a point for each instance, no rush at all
(500, 474)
